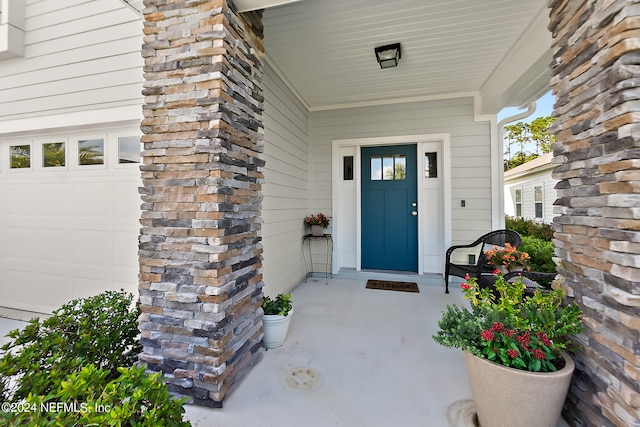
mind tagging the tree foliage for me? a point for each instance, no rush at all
(527, 141)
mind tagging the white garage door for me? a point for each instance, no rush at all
(69, 217)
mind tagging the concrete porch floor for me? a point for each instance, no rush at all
(353, 357)
(362, 357)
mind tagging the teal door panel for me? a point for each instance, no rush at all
(389, 235)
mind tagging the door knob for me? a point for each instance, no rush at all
(414, 213)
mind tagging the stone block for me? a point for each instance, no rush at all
(165, 287)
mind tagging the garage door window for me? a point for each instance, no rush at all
(20, 156)
(53, 155)
(129, 149)
(91, 152)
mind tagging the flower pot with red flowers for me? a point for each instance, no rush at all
(514, 349)
(318, 223)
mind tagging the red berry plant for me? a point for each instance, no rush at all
(509, 327)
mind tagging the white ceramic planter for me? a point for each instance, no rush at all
(511, 397)
(275, 329)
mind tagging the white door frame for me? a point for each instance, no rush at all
(421, 141)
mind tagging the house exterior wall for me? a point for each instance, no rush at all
(470, 150)
(69, 232)
(527, 183)
(286, 185)
(78, 57)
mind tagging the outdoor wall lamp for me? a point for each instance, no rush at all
(388, 56)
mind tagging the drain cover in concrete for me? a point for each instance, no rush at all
(462, 414)
(304, 378)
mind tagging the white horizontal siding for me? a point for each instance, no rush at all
(470, 152)
(527, 183)
(79, 56)
(286, 185)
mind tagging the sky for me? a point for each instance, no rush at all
(544, 108)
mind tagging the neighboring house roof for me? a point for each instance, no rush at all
(536, 165)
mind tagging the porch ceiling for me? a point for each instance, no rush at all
(324, 50)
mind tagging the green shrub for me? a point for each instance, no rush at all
(76, 369)
(101, 330)
(88, 398)
(529, 227)
(281, 305)
(541, 254)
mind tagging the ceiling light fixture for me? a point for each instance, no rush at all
(388, 56)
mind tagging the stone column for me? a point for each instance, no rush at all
(200, 251)
(596, 81)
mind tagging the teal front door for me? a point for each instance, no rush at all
(389, 208)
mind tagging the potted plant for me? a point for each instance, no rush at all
(276, 319)
(507, 259)
(514, 350)
(317, 223)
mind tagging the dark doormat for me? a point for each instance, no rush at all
(387, 285)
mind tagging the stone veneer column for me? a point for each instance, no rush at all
(596, 81)
(200, 252)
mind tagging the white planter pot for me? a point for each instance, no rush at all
(515, 398)
(275, 329)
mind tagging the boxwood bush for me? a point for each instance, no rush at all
(536, 241)
(81, 361)
(100, 330)
(88, 398)
(541, 253)
(528, 227)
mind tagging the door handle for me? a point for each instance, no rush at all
(414, 213)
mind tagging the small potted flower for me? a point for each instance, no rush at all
(317, 223)
(276, 319)
(513, 346)
(507, 259)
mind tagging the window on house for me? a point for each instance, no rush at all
(129, 149)
(537, 199)
(431, 165)
(347, 168)
(53, 155)
(91, 152)
(20, 156)
(518, 202)
(388, 167)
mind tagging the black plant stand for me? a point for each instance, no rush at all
(308, 238)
